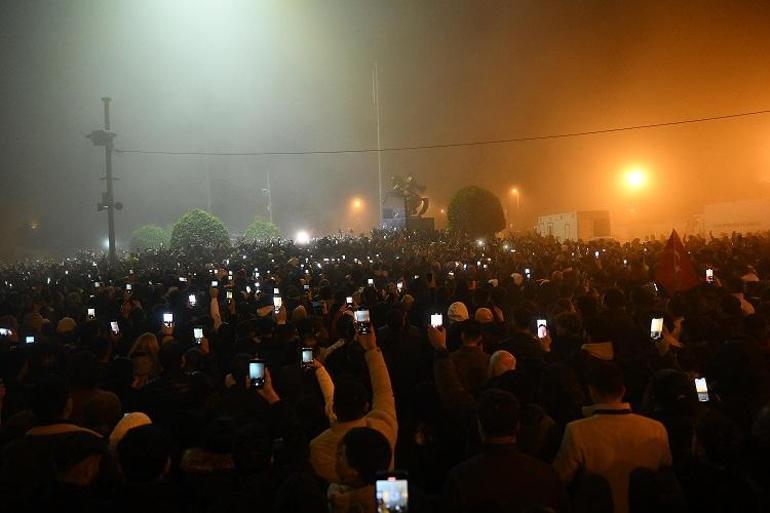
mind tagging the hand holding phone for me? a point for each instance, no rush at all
(392, 492)
(702, 389)
(362, 321)
(198, 334)
(307, 357)
(168, 320)
(436, 320)
(257, 373)
(542, 328)
(91, 314)
(656, 328)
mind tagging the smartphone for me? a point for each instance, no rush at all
(5, 332)
(542, 328)
(276, 291)
(97, 284)
(192, 299)
(451, 275)
(349, 301)
(709, 275)
(702, 388)
(277, 302)
(656, 328)
(168, 319)
(198, 334)
(527, 273)
(129, 287)
(91, 314)
(370, 281)
(114, 327)
(392, 492)
(306, 287)
(229, 295)
(257, 373)
(436, 320)
(30, 339)
(307, 357)
(400, 286)
(596, 254)
(362, 321)
(183, 279)
(248, 289)
(230, 276)
(214, 283)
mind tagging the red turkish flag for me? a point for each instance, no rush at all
(675, 270)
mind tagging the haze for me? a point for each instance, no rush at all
(245, 76)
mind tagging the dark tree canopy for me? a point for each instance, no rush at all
(149, 236)
(199, 229)
(475, 211)
(262, 230)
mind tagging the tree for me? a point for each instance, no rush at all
(197, 229)
(149, 236)
(261, 229)
(475, 211)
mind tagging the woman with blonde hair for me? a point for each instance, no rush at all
(144, 354)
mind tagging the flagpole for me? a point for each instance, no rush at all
(376, 97)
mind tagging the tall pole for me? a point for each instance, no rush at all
(376, 91)
(105, 137)
(110, 197)
(269, 199)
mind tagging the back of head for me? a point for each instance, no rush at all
(614, 299)
(522, 316)
(350, 400)
(144, 454)
(498, 413)
(606, 380)
(396, 318)
(501, 362)
(83, 370)
(50, 399)
(719, 437)
(170, 357)
(367, 451)
(673, 392)
(252, 449)
(470, 330)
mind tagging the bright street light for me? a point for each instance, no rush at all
(357, 204)
(302, 237)
(635, 177)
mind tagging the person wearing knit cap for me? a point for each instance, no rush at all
(66, 325)
(484, 316)
(501, 362)
(128, 422)
(457, 312)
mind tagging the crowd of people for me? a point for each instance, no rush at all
(492, 375)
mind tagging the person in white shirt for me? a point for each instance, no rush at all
(611, 442)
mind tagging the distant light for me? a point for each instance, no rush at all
(635, 177)
(443, 211)
(505, 247)
(514, 191)
(480, 242)
(357, 204)
(106, 244)
(302, 237)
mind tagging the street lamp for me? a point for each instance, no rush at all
(515, 193)
(356, 204)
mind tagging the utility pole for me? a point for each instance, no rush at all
(105, 138)
(376, 98)
(268, 192)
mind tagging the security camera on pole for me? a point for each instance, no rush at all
(105, 138)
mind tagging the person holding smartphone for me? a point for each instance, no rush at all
(352, 409)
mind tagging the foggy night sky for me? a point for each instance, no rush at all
(286, 76)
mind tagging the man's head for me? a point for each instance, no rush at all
(83, 370)
(605, 383)
(501, 362)
(457, 312)
(51, 400)
(144, 454)
(498, 413)
(351, 401)
(470, 332)
(362, 453)
(171, 357)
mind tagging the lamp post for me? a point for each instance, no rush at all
(105, 138)
(516, 195)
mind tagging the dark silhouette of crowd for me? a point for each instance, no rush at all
(515, 375)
